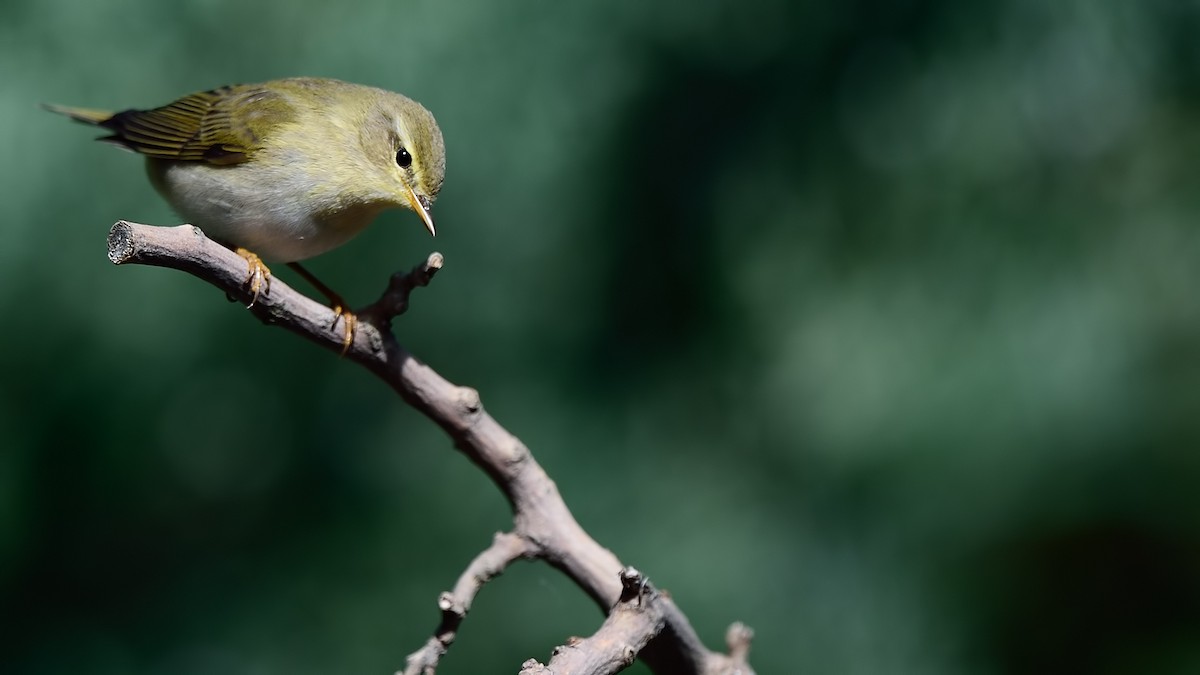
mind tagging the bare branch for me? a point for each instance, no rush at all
(631, 624)
(506, 549)
(640, 615)
(540, 516)
(394, 300)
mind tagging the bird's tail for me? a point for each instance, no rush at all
(85, 115)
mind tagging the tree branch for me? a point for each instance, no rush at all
(506, 549)
(542, 522)
(632, 623)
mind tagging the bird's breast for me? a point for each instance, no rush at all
(281, 217)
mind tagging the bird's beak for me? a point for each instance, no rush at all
(422, 208)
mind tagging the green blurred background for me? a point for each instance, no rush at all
(872, 324)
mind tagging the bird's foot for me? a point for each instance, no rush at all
(341, 310)
(349, 318)
(258, 275)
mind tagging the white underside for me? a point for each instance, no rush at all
(261, 213)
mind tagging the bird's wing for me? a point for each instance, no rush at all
(222, 126)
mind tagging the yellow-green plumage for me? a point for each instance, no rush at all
(289, 168)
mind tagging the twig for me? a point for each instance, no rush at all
(541, 519)
(394, 300)
(632, 623)
(506, 549)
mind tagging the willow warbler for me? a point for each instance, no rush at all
(286, 169)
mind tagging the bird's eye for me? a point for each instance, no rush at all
(403, 159)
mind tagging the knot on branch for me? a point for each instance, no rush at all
(468, 400)
(634, 586)
(452, 609)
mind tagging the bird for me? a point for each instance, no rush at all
(284, 170)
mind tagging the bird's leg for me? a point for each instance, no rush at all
(336, 303)
(258, 275)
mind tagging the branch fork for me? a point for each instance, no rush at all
(641, 622)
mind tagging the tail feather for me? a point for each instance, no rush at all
(85, 115)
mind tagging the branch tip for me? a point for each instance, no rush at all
(738, 638)
(120, 242)
(394, 300)
(533, 667)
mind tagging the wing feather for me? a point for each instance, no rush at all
(209, 126)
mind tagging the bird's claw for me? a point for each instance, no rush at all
(258, 275)
(351, 322)
(336, 303)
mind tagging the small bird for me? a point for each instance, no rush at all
(287, 169)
